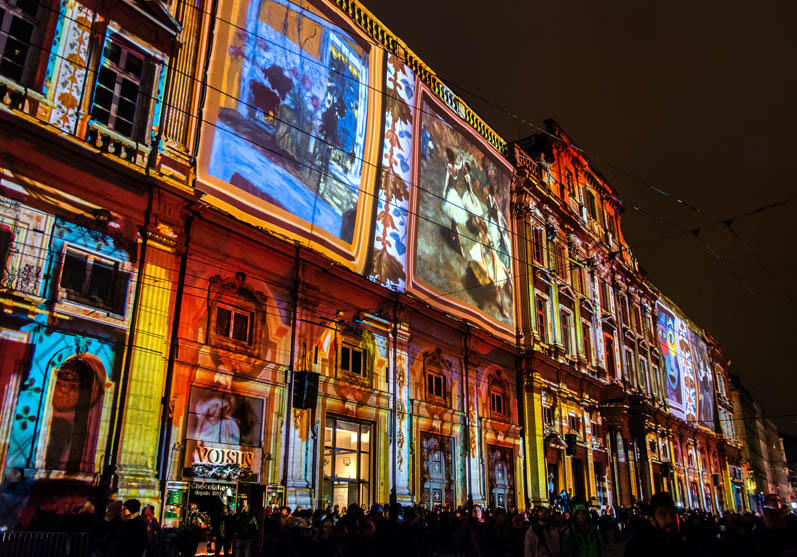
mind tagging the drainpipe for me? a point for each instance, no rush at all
(394, 417)
(290, 370)
(466, 398)
(119, 403)
(520, 396)
(164, 453)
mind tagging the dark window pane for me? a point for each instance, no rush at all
(74, 272)
(103, 97)
(129, 90)
(30, 7)
(121, 284)
(223, 318)
(430, 384)
(134, 65)
(356, 361)
(113, 52)
(10, 70)
(240, 329)
(16, 51)
(107, 78)
(20, 29)
(344, 359)
(126, 110)
(101, 115)
(123, 127)
(101, 282)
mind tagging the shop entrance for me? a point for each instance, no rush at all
(347, 462)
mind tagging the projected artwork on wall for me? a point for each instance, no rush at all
(292, 120)
(668, 343)
(227, 418)
(462, 236)
(705, 381)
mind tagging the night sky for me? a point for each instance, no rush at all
(696, 98)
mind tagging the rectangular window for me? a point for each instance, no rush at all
(644, 383)
(574, 422)
(635, 319)
(537, 246)
(234, 324)
(591, 205)
(352, 360)
(578, 280)
(95, 281)
(629, 365)
(608, 345)
(435, 384)
(604, 291)
(120, 95)
(567, 327)
(586, 331)
(497, 402)
(547, 415)
(541, 310)
(624, 310)
(19, 23)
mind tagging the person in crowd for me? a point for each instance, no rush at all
(153, 531)
(661, 535)
(132, 533)
(581, 539)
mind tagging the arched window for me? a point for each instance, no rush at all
(75, 414)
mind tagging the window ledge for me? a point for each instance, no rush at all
(19, 98)
(110, 142)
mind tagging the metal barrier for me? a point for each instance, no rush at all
(43, 544)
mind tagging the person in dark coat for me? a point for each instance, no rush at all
(132, 534)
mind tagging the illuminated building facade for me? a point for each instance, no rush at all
(257, 250)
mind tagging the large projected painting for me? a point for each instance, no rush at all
(292, 122)
(668, 337)
(461, 239)
(705, 381)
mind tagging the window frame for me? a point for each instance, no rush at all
(234, 310)
(497, 394)
(431, 383)
(566, 326)
(116, 308)
(38, 23)
(608, 350)
(586, 340)
(352, 348)
(541, 314)
(144, 82)
(537, 246)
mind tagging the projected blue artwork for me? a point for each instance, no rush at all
(296, 135)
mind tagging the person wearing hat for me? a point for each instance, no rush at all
(581, 539)
(661, 535)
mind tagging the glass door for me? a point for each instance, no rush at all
(347, 462)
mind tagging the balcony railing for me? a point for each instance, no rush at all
(33, 106)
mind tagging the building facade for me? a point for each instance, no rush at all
(253, 250)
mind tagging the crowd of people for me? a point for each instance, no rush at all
(655, 529)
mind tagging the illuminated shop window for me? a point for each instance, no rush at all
(347, 462)
(541, 311)
(121, 92)
(497, 402)
(222, 417)
(435, 385)
(19, 23)
(94, 281)
(234, 324)
(352, 360)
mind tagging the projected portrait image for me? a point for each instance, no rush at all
(463, 236)
(220, 417)
(295, 136)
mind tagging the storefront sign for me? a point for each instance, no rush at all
(209, 454)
